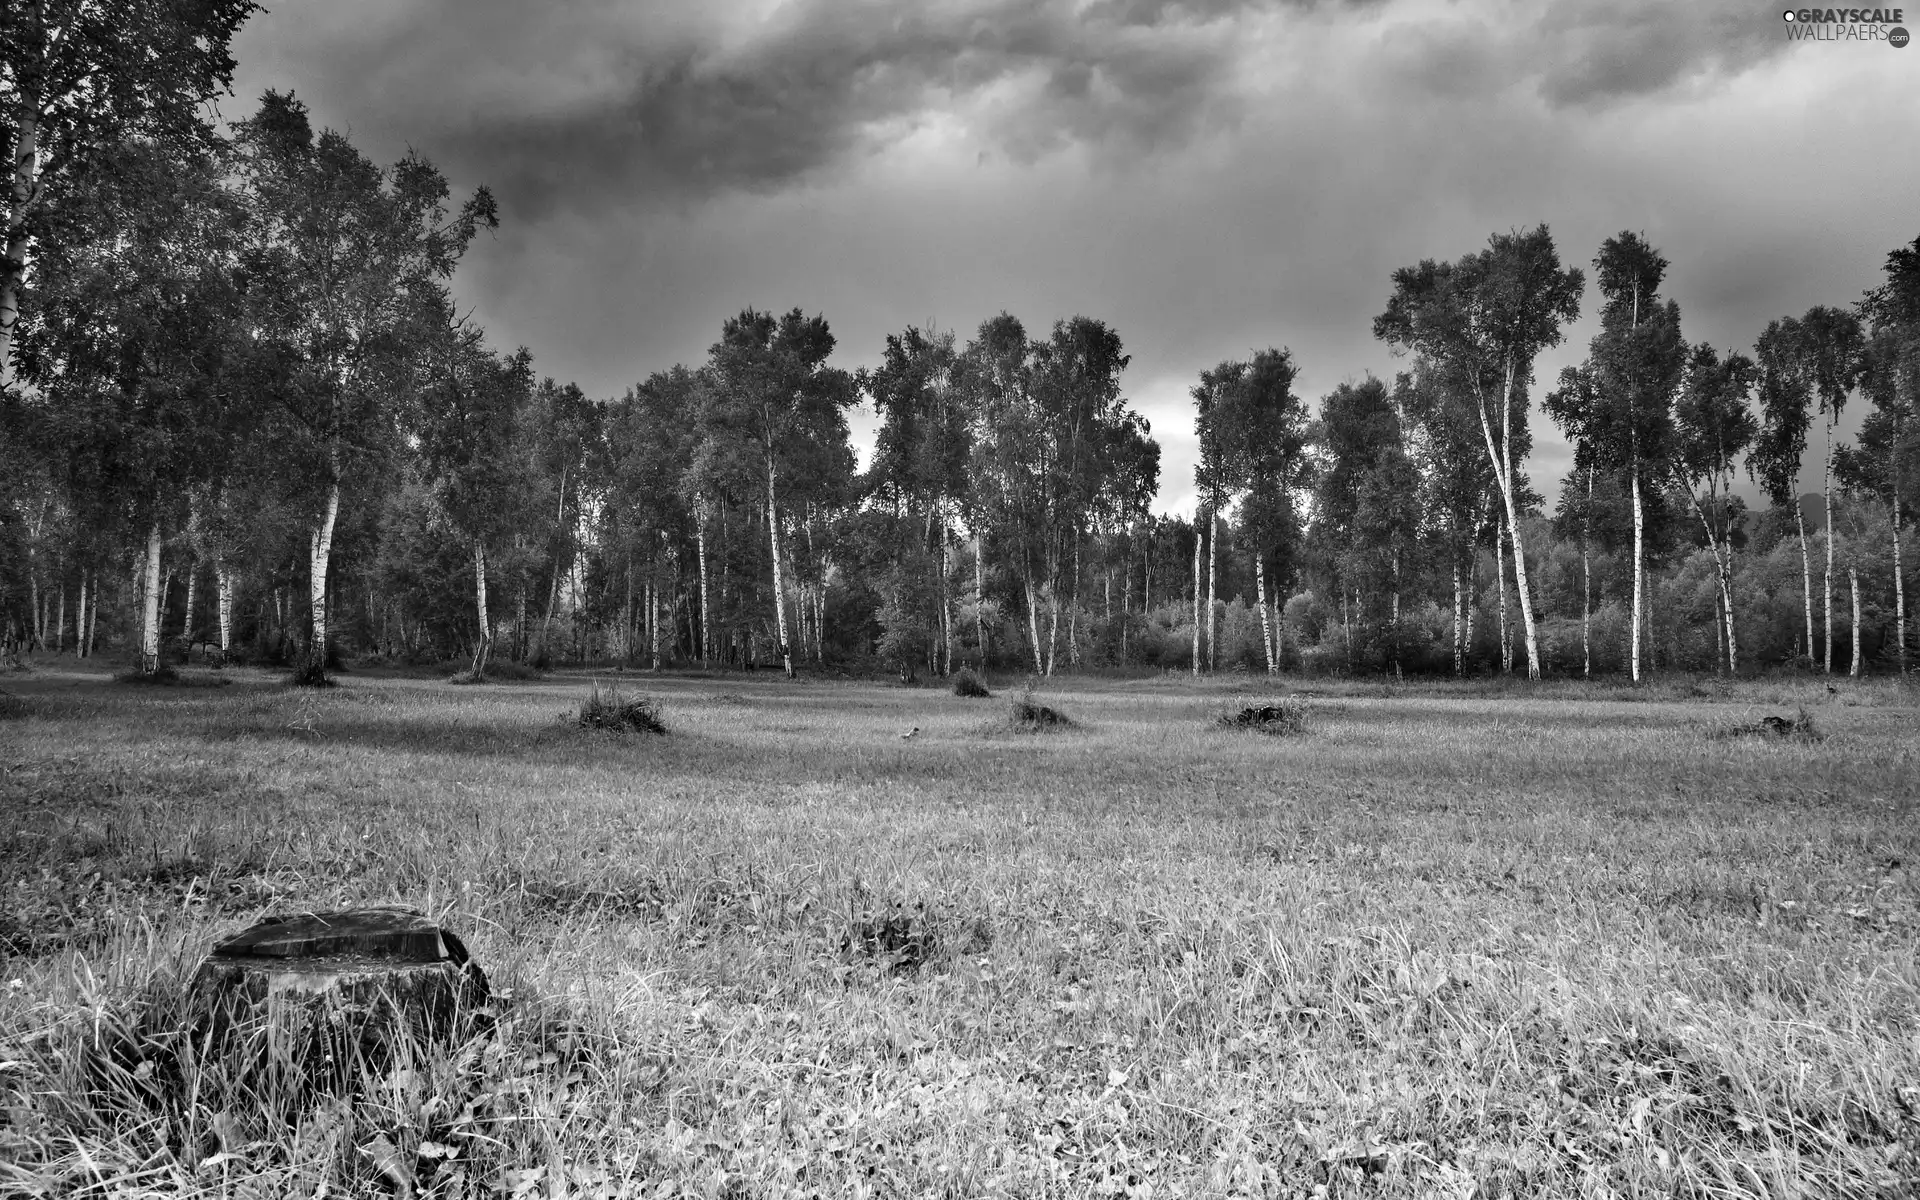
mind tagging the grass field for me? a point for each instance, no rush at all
(1473, 940)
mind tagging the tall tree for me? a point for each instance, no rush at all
(1830, 346)
(1888, 455)
(1266, 430)
(1445, 445)
(1217, 400)
(775, 393)
(1786, 395)
(353, 253)
(1713, 426)
(1637, 360)
(1364, 515)
(81, 77)
(1485, 319)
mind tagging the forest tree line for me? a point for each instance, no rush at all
(245, 417)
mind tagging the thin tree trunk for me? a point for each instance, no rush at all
(1853, 581)
(60, 618)
(1033, 628)
(1826, 495)
(485, 642)
(1639, 576)
(320, 550)
(1502, 456)
(1899, 588)
(150, 606)
(980, 593)
(1213, 621)
(80, 620)
(1459, 624)
(193, 579)
(1500, 569)
(1806, 572)
(1196, 593)
(223, 580)
(706, 612)
(1266, 624)
(1586, 582)
(779, 582)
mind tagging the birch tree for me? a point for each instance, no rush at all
(1485, 319)
(1713, 426)
(775, 393)
(79, 78)
(348, 252)
(1785, 396)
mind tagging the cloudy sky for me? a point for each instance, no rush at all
(1208, 176)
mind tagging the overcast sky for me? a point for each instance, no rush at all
(1210, 177)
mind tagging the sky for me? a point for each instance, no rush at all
(1209, 177)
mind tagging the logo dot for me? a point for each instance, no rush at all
(1897, 36)
(1787, 15)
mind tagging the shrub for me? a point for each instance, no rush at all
(1283, 716)
(1026, 715)
(611, 710)
(966, 683)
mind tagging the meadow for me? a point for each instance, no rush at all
(1464, 940)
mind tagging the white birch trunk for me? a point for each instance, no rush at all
(150, 608)
(1459, 624)
(60, 618)
(1806, 572)
(1196, 593)
(1853, 581)
(1899, 589)
(706, 611)
(779, 582)
(980, 594)
(1826, 495)
(25, 193)
(80, 620)
(1502, 457)
(1033, 629)
(480, 607)
(1213, 625)
(1266, 625)
(1639, 577)
(223, 580)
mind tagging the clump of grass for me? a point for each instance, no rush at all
(162, 676)
(496, 672)
(1026, 714)
(12, 707)
(611, 710)
(970, 685)
(897, 937)
(1284, 716)
(1799, 727)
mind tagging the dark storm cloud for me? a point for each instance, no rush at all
(1603, 51)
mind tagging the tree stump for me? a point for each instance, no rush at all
(327, 994)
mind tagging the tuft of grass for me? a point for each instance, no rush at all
(1799, 727)
(611, 710)
(970, 685)
(1029, 716)
(1284, 716)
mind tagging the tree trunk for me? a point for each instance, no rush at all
(1459, 624)
(1826, 496)
(1213, 621)
(1639, 523)
(779, 582)
(980, 593)
(320, 549)
(80, 621)
(25, 192)
(946, 599)
(706, 612)
(223, 580)
(480, 607)
(1899, 588)
(60, 618)
(1853, 581)
(1500, 569)
(1806, 572)
(1502, 456)
(93, 616)
(150, 608)
(1586, 582)
(1266, 625)
(1196, 593)
(1033, 628)
(193, 579)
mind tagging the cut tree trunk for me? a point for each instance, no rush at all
(336, 993)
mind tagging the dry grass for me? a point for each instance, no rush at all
(1486, 941)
